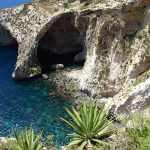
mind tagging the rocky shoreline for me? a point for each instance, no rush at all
(69, 87)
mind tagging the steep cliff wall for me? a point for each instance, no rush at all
(118, 57)
(116, 46)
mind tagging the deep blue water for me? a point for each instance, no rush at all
(26, 103)
(11, 3)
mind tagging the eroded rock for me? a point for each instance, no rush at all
(57, 66)
(45, 76)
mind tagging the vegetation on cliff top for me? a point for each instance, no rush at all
(91, 125)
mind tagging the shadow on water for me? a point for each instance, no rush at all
(27, 103)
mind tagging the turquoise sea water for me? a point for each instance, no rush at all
(27, 103)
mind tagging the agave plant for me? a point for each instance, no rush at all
(90, 125)
(26, 140)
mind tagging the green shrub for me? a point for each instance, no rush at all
(140, 132)
(27, 140)
(135, 135)
(90, 125)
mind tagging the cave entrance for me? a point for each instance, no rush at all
(61, 44)
(8, 53)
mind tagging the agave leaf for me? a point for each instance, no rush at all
(105, 125)
(76, 135)
(102, 112)
(97, 119)
(85, 113)
(37, 141)
(48, 140)
(89, 124)
(13, 145)
(78, 118)
(73, 116)
(102, 119)
(95, 111)
(100, 142)
(103, 133)
(75, 142)
(18, 139)
(95, 116)
(26, 140)
(38, 147)
(73, 126)
(91, 118)
(81, 147)
(76, 114)
(31, 138)
(83, 117)
(26, 137)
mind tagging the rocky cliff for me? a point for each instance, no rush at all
(113, 38)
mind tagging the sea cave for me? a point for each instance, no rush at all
(61, 44)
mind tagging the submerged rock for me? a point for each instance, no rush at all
(51, 93)
(57, 66)
(45, 76)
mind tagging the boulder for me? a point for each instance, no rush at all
(57, 66)
(45, 76)
(51, 93)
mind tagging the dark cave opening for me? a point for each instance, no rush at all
(62, 44)
(6, 38)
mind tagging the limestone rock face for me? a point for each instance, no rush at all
(113, 38)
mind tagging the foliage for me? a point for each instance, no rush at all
(90, 125)
(140, 132)
(27, 140)
(25, 9)
(135, 135)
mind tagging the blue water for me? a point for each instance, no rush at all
(11, 3)
(27, 103)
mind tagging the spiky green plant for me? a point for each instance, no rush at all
(26, 140)
(90, 125)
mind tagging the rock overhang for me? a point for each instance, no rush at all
(28, 24)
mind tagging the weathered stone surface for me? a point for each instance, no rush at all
(115, 37)
(57, 66)
(4, 140)
(45, 76)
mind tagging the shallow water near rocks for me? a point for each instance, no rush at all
(26, 103)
